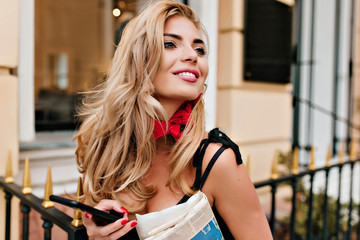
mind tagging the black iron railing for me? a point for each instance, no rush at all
(294, 180)
(50, 216)
(53, 216)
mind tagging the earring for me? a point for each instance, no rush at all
(204, 88)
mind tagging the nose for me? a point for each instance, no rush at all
(190, 55)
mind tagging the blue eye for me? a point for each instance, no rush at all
(169, 45)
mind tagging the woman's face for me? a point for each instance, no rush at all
(183, 67)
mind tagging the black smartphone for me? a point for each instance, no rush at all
(100, 218)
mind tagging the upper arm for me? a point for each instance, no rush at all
(235, 198)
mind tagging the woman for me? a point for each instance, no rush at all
(130, 160)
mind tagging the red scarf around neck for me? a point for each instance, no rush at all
(177, 122)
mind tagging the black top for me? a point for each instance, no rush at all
(215, 136)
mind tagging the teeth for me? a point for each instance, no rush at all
(186, 74)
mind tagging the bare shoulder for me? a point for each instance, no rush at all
(226, 171)
(231, 191)
(227, 174)
(226, 158)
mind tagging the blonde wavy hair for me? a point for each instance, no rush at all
(116, 146)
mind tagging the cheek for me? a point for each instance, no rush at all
(161, 81)
(167, 60)
(205, 69)
(161, 73)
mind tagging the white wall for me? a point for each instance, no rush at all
(208, 13)
(26, 71)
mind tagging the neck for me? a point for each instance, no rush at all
(171, 107)
(164, 144)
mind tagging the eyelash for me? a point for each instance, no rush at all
(201, 51)
(166, 44)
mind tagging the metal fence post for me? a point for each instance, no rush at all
(309, 220)
(338, 209)
(273, 207)
(25, 209)
(8, 197)
(325, 209)
(47, 225)
(293, 211)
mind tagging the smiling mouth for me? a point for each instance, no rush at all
(185, 74)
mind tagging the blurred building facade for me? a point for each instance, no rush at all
(256, 111)
(279, 72)
(9, 50)
(288, 76)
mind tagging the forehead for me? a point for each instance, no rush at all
(182, 26)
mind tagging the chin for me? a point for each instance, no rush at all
(191, 95)
(181, 95)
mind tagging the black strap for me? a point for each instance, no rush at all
(184, 199)
(199, 155)
(216, 136)
(210, 165)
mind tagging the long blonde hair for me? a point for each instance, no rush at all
(116, 146)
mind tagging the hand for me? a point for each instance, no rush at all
(113, 230)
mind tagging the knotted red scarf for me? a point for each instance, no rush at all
(177, 122)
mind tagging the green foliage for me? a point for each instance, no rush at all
(302, 207)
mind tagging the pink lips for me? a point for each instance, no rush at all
(188, 78)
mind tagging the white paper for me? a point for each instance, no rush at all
(193, 219)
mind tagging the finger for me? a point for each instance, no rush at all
(106, 205)
(87, 215)
(91, 227)
(130, 225)
(113, 227)
(87, 218)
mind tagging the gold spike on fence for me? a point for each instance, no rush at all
(352, 151)
(274, 170)
(312, 159)
(9, 174)
(295, 161)
(26, 187)
(248, 164)
(328, 157)
(48, 190)
(77, 222)
(341, 153)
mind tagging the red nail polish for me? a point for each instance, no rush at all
(125, 221)
(133, 224)
(125, 211)
(87, 215)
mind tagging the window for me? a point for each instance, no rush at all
(74, 44)
(267, 44)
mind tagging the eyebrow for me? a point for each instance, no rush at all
(196, 40)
